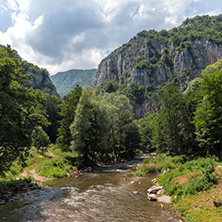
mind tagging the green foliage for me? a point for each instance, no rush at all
(143, 170)
(146, 128)
(103, 128)
(20, 108)
(110, 86)
(55, 167)
(39, 138)
(14, 185)
(68, 109)
(52, 106)
(181, 169)
(208, 117)
(136, 93)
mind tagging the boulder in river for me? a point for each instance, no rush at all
(164, 199)
(154, 189)
(151, 197)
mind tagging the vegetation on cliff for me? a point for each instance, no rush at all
(152, 59)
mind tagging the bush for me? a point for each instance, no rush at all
(56, 167)
(143, 170)
(13, 185)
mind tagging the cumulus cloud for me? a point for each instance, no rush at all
(65, 34)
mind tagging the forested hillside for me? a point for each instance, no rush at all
(141, 67)
(66, 81)
(40, 78)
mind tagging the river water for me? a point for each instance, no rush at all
(108, 194)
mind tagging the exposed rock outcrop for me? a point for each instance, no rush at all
(152, 58)
(41, 78)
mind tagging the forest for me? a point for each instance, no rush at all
(100, 127)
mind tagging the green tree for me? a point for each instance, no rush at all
(18, 108)
(208, 117)
(68, 109)
(124, 132)
(168, 126)
(52, 105)
(89, 129)
(39, 138)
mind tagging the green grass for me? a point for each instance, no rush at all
(55, 168)
(13, 185)
(192, 183)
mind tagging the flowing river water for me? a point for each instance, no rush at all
(107, 194)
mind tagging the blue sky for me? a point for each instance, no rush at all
(65, 34)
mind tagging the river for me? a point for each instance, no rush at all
(107, 194)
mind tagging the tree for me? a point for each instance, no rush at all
(39, 138)
(68, 109)
(18, 109)
(103, 128)
(89, 129)
(168, 130)
(125, 136)
(208, 117)
(52, 108)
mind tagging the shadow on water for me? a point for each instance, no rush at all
(30, 205)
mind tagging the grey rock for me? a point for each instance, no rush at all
(152, 197)
(155, 189)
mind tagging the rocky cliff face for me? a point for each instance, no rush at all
(152, 58)
(41, 78)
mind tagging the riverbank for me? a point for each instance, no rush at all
(193, 184)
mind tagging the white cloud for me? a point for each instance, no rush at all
(64, 34)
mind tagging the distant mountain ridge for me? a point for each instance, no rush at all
(66, 81)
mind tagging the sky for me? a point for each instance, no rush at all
(60, 35)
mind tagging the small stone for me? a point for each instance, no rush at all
(2, 202)
(160, 192)
(4, 218)
(153, 180)
(135, 192)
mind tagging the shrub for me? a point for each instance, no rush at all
(13, 185)
(143, 170)
(55, 167)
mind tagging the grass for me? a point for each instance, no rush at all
(192, 183)
(52, 163)
(14, 185)
(56, 167)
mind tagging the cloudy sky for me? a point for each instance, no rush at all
(65, 34)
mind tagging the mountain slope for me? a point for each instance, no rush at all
(66, 81)
(150, 59)
(41, 78)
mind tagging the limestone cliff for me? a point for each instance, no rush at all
(153, 58)
(41, 78)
